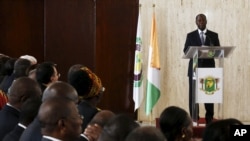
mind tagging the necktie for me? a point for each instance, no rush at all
(202, 38)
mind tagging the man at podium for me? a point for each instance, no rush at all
(200, 37)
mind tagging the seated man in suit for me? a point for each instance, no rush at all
(28, 112)
(94, 128)
(60, 120)
(22, 89)
(57, 89)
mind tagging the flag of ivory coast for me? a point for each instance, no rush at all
(153, 75)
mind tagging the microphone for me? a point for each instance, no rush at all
(211, 53)
(210, 40)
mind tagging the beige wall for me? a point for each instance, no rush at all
(175, 18)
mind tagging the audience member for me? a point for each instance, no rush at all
(146, 133)
(22, 89)
(118, 128)
(46, 73)
(8, 67)
(176, 124)
(21, 67)
(94, 128)
(89, 88)
(3, 99)
(3, 60)
(60, 122)
(28, 112)
(6, 71)
(102, 117)
(32, 59)
(57, 89)
(219, 130)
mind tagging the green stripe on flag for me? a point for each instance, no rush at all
(153, 94)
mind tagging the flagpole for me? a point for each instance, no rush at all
(151, 114)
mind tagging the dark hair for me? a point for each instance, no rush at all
(172, 120)
(199, 16)
(3, 60)
(8, 67)
(79, 79)
(219, 130)
(44, 71)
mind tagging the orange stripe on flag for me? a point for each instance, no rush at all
(155, 60)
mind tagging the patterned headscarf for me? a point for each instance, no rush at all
(86, 83)
(96, 87)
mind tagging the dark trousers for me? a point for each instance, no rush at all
(194, 108)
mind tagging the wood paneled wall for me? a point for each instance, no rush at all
(22, 28)
(116, 22)
(99, 34)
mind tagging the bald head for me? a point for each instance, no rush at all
(102, 117)
(52, 110)
(60, 119)
(60, 89)
(22, 89)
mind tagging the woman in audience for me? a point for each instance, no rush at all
(89, 89)
(176, 124)
(220, 130)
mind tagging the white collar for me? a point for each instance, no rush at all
(204, 31)
(21, 125)
(12, 106)
(85, 137)
(51, 138)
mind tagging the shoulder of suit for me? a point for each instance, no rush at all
(193, 32)
(211, 32)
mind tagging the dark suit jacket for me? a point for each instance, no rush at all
(9, 118)
(45, 139)
(15, 134)
(32, 132)
(7, 81)
(193, 39)
(88, 113)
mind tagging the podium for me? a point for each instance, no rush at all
(207, 84)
